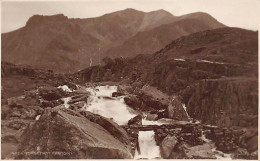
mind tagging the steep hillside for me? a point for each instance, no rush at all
(67, 45)
(202, 69)
(152, 40)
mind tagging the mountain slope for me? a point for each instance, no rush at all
(67, 45)
(214, 72)
(152, 40)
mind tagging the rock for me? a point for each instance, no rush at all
(176, 110)
(29, 99)
(78, 99)
(133, 102)
(15, 114)
(16, 124)
(51, 93)
(144, 102)
(117, 94)
(159, 135)
(241, 153)
(179, 151)
(9, 138)
(191, 139)
(137, 120)
(163, 114)
(11, 131)
(4, 111)
(81, 91)
(252, 143)
(254, 155)
(77, 106)
(28, 113)
(152, 103)
(151, 117)
(221, 101)
(126, 90)
(65, 134)
(249, 140)
(113, 128)
(200, 152)
(52, 103)
(167, 146)
(16, 102)
(187, 129)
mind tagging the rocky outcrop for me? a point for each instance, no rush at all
(200, 152)
(51, 93)
(176, 110)
(144, 102)
(78, 98)
(65, 134)
(168, 145)
(137, 120)
(11, 131)
(114, 129)
(223, 102)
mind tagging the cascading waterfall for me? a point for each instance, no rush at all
(185, 109)
(148, 147)
(101, 102)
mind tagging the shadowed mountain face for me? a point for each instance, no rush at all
(67, 45)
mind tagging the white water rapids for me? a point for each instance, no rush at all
(148, 147)
(101, 102)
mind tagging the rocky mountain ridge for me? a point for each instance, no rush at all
(68, 45)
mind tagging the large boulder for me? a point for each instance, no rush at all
(144, 102)
(78, 98)
(27, 113)
(133, 102)
(52, 103)
(11, 131)
(168, 145)
(176, 110)
(241, 153)
(137, 120)
(249, 139)
(200, 152)
(113, 128)
(152, 102)
(64, 134)
(160, 134)
(51, 93)
(23, 101)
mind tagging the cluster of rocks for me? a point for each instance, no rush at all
(75, 134)
(242, 143)
(87, 135)
(38, 75)
(20, 120)
(133, 138)
(143, 103)
(177, 140)
(197, 141)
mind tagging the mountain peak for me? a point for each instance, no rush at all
(131, 10)
(38, 19)
(161, 11)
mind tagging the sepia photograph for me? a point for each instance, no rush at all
(129, 79)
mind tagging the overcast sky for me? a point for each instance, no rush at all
(234, 13)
